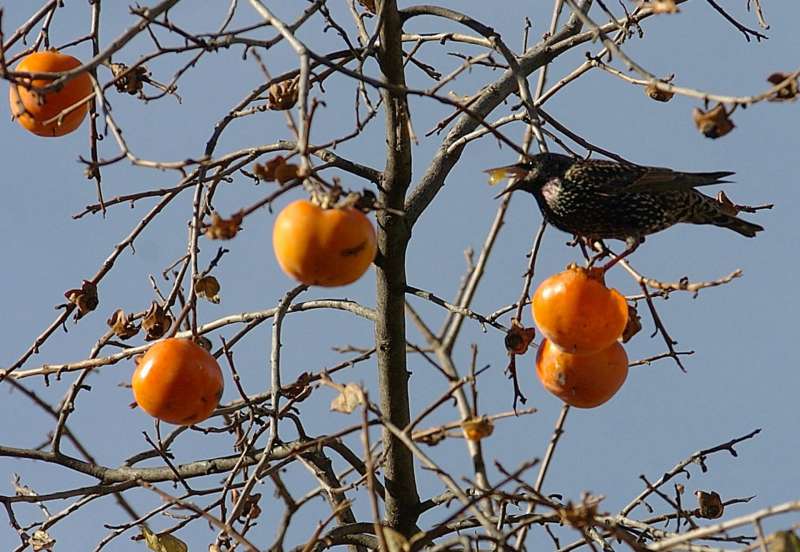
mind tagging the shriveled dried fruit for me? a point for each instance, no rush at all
(156, 322)
(657, 94)
(787, 92)
(122, 325)
(84, 298)
(713, 123)
(224, 229)
(518, 338)
(208, 288)
(130, 82)
(283, 95)
(709, 505)
(476, 429)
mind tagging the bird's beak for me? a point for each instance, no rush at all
(514, 172)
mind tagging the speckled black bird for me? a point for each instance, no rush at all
(598, 199)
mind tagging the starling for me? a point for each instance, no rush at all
(597, 199)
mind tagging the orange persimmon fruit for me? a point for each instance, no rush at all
(577, 312)
(177, 381)
(323, 247)
(32, 110)
(585, 381)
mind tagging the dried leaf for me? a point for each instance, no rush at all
(710, 505)
(476, 429)
(783, 541)
(300, 389)
(788, 92)
(41, 541)
(283, 95)
(657, 94)
(633, 326)
(133, 81)
(713, 123)
(84, 298)
(156, 322)
(224, 229)
(664, 6)
(276, 169)
(122, 325)
(350, 396)
(208, 288)
(518, 338)
(368, 5)
(162, 542)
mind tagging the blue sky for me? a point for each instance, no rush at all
(744, 372)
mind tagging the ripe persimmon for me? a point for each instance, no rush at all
(323, 247)
(577, 312)
(585, 381)
(178, 382)
(31, 110)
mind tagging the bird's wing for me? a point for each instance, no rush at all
(614, 178)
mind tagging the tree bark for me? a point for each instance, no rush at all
(393, 236)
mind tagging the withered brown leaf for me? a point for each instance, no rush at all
(208, 288)
(350, 396)
(283, 94)
(276, 169)
(518, 338)
(787, 92)
(222, 228)
(713, 123)
(132, 81)
(710, 504)
(122, 325)
(84, 298)
(156, 322)
(657, 94)
(633, 326)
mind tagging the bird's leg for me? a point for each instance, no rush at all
(633, 243)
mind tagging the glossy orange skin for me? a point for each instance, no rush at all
(323, 247)
(578, 313)
(585, 381)
(178, 382)
(31, 110)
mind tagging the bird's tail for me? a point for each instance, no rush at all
(736, 224)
